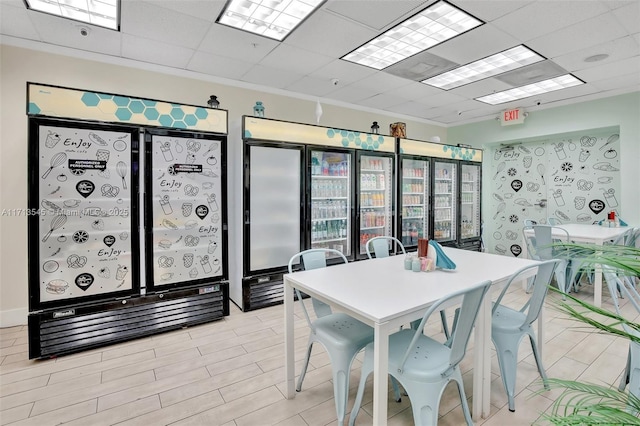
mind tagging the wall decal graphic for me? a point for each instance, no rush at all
(574, 179)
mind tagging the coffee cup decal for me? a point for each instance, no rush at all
(610, 197)
(560, 152)
(557, 196)
(52, 139)
(584, 154)
(166, 151)
(596, 206)
(166, 205)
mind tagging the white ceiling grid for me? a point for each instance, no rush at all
(183, 34)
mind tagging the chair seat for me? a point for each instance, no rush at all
(507, 320)
(343, 331)
(427, 352)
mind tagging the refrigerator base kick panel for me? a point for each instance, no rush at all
(76, 328)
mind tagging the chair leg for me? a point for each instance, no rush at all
(341, 366)
(538, 358)
(305, 365)
(457, 377)
(507, 349)
(625, 376)
(445, 325)
(425, 401)
(634, 372)
(367, 369)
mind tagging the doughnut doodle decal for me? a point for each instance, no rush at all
(84, 191)
(571, 178)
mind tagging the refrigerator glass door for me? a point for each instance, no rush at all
(331, 201)
(415, 201)
(375, 198)
(85, 220)
(186, 204)
(444, 201)
(470, 201)
(274, 206)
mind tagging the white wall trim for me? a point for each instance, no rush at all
(13, 317)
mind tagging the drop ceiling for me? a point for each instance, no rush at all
(182, 34)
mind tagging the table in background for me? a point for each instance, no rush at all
(382, 294)
(590, 234)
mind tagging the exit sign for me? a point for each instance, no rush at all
(512, 116)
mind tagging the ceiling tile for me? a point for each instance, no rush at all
(270, 77)
(208, 10)
(158, 23)
(616, 49)
(578, 36)
(611, 69)
(14, 21)
(416, 90)
(65, 32)
(442, 99)
(219, 66)
(351, 93)
(543, 17)
(475, 44)
(629, 17)
(237, 44)
(294, 59)
(312, 86)
(328, 34)
(155, 52)
(381, 82)
(490, 10)
(382, 101)
(629, 81)
(413, 109)
(377, 14)
(345, 72)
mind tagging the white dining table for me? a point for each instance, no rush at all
(589, 234)
(382, 294)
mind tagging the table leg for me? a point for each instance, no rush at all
(482, 361)
(289, 354)
(597, 284)
(380, 374)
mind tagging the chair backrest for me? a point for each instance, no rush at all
(541, 282)
(471, 301)
(544, 239)
(553, 221)
(627, 238)
(624, 285)
(382, 246)
(529, 222)
(314, 259)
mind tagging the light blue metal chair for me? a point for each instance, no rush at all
(553, 221)
(509, 326)
(341, 335)
(424, 366)
(624, 285)
(543, 250)
(383, 246)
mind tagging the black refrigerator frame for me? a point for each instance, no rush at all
(78, 324)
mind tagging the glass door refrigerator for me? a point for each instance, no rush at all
(307, 186)
(375, 189)
(331, 200)
(439, 194)
(470, 214)
(414, 192)
(445, 202)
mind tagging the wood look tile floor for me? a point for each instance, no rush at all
(230, 372)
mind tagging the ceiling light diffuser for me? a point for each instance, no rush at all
(550, 85)
(499, 63)
(435, 24)
(103, 13)
(269, 18)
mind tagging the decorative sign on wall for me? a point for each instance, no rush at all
(84, 220)
(187, 217)
(573, 179)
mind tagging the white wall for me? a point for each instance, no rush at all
(20, 65)
(621, 112)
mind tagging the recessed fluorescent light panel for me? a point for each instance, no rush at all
(435, 24)
(103, 13)
(551, 85)
(508, 60)
(269, 18)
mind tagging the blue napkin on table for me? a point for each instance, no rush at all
(442, 260)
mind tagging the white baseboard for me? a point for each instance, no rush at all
(13, 317)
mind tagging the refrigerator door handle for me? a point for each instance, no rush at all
(246, 217)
